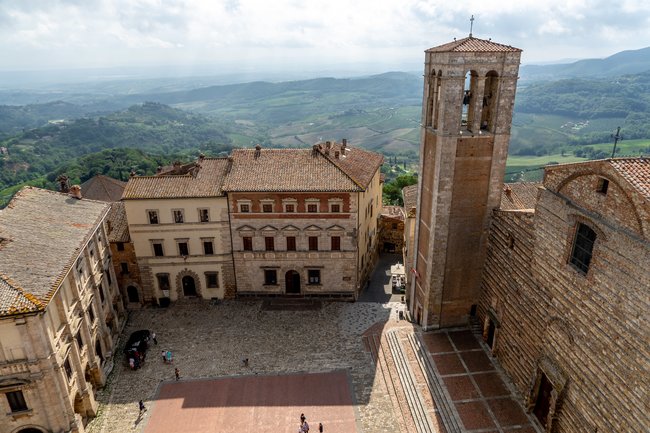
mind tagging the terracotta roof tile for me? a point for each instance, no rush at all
(103, 188)
(14, 301)
(206, 181)
(410, 196)
(636, 171)
(313, 169)
(45, 231)
(119, 227)
(519, 196)
(472, 44)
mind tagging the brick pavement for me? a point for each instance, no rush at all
(210, 341)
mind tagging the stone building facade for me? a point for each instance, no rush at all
(304, 221)
(391, 229)
(60, 311)
(469, 92)
(565, 295)
(179, 224)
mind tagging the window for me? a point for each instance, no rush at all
(244, 207)
(183, 249)
(583, 246)
(124, 268)
(336, 243)
(68, 368)
(153, 216)
(313, 243)
(267, 207)
(335, 208)
(208, 248)
(100, 289)
(269, 243)
(120, 246)
(394, 226)
(313, 276)
(163, 281)
(270, 277)
(158, 249)
(80, 341)
(178, 216)
(108, 276)
(212, 280)
(289, 207)
(291, 243)
(248, 243)
(16, 401)
(91, 314)
(312, 207)
(603, 185)
(204, 215)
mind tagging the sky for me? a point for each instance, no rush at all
(304, 34)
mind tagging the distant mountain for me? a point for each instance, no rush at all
(623, 63)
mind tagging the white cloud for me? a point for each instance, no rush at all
(120, 32)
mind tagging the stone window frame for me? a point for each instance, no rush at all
(159, 277)
(266, 202)
(315, 275)
(119, 246)
(124, 268)
(270, 277)
(269, 243)
(244, 206)
(178, 216)
(289, 202)
(602, 185)
(335, 245)
(207, 281)
(179, 284)
(153, 216)
(180, 241)
(314, 240)
(558, 380)
(17, 402)
(294, 245)
(312, 201)
(204, 211)
(160, 242)
(209, 240)
(573, 220)
(334, 202)
(247, 243)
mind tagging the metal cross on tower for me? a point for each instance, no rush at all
(617, 137)
(471, 25)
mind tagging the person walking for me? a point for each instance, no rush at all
(141, 406)
(177, 373)
(302, 418)
(320, 427)
(153, 337)
(305, 426)
(164, 356)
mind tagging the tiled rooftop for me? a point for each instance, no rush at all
(636, 171)
(519, 195)
(472, 44)
(410, 196)
(119, 227)
(302, 169)
(44, 232)
(205, 181)
(103, 188)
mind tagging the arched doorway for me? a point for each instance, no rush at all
(132, 293)
(292, 281)
(30, 430)
(189, 286)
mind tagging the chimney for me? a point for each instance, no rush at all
(344, 144)
(132, 173)
(328, 145)
(159, 169)
(75, 191)
(201, 157)
(314, 150)
(64, 184)
(177, 165)
(336, 154)
(507, 190)
(258, 150)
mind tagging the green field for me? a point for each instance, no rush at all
(530, 168)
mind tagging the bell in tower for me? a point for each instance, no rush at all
(469, 93)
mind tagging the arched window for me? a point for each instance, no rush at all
(489, 101)
(583, 247)
(436, 100)
(469, 96)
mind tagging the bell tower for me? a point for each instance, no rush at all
(469, 93)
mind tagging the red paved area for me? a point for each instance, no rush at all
(254, 403)
(480, 397)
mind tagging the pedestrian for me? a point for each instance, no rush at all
(169, 356)
(132, 363)
(320, 427)
(177, 373)
(302, 418)
(153, 337)
(164, 356)
(142, 408)
(305, 426)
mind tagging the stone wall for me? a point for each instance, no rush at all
(588, 333)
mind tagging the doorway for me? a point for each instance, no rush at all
(189, 286)
(132, 293)
(543, 401)
(490, 334)
(292, 281)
